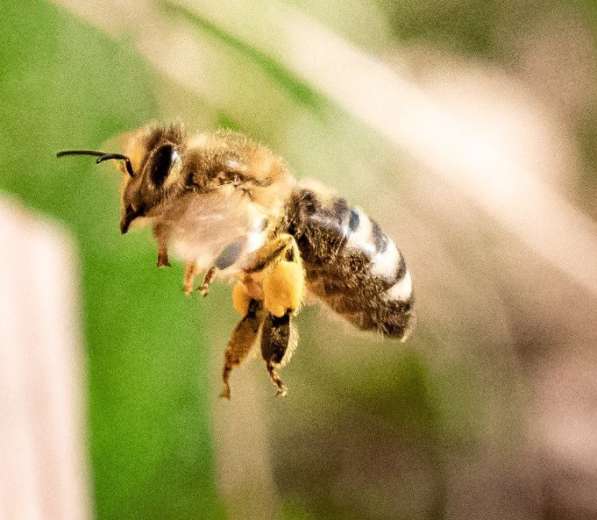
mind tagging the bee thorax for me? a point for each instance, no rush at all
(214, 230)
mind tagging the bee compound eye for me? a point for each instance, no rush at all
(161, 163)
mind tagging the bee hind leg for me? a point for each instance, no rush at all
(278, 340)
(241, 341)
(284, 278)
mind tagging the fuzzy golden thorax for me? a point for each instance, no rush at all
(169, 166)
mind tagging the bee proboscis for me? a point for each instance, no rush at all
(229, 207)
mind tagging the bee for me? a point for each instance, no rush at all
(229, 207)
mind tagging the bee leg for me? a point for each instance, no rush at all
(240, 343)
(283, 288)
(225, 259)
(278, 340)
(282, 247)
(190, 272)
(163, 257)
(159, 232)
(241, 299)
(207, 279)
(283, 275)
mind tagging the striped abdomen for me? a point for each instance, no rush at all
(351, 264)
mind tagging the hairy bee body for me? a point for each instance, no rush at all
(351, 264)
(229, 207)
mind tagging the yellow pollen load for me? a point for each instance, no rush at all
(240, 298)
(283, 288)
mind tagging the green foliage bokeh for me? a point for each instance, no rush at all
(64, 85)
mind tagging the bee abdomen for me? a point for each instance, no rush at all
(367, 302)
(352, 265)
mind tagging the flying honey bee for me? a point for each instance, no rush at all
(228, 207)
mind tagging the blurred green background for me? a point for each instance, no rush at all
(65, 84)
(436, 428)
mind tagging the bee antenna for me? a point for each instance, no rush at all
(117, 157)
(101, 157)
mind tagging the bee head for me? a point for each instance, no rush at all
(151, 164)
(155, 153)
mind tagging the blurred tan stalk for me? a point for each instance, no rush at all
(42, 445)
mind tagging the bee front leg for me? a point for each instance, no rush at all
(163, 260)
(278, 340)
(240, 343)
(160, 235)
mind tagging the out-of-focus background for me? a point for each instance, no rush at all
(466, 128)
